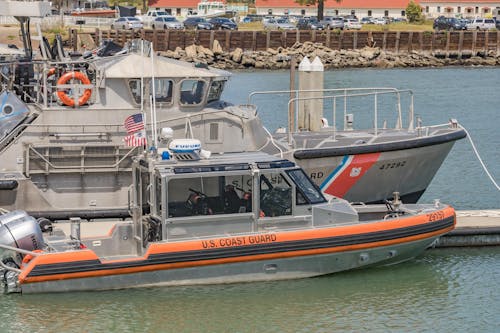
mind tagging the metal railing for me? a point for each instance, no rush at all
(82, 167)
(343, 94)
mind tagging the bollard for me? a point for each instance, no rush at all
(75, 227)
(310, 86)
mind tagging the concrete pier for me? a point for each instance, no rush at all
(474, 228)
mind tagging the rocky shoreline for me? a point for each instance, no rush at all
(280, 58)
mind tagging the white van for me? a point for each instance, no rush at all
(480, 23)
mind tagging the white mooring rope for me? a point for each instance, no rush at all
(479, 158)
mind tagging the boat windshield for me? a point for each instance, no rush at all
(210, 194)
(192, 92)
(275, 195)
(163, 90)
(307, 192)
(215, 91)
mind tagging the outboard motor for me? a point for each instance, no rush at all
(19, 230)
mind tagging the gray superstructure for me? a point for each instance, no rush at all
(61, 159)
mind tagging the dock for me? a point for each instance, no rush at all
(474, 228)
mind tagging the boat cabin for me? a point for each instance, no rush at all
(227, 194)
(115, 83)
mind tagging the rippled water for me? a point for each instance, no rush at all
(445, 290)
(442, 291)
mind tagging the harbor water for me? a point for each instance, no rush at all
(443, 290)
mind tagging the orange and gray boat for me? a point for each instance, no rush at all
(234, 217)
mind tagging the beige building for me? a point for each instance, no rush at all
(380, 8)
(460, 8)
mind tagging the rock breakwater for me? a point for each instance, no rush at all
(280, 58)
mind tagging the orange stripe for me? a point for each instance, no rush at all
(231, 260)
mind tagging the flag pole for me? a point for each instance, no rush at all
(142, 89)
(153, 98)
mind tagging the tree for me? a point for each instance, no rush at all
(413, 12)
(320, 3)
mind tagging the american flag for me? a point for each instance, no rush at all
(135, 139)
(134, 123)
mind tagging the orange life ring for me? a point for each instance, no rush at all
(78, 76)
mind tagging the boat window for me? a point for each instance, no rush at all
(307, 192)
(210, 195)
(163, 90)
(215, 91)
(275, 195)
(157, 189)
(192, 92)
(135, 89)
(145, 195)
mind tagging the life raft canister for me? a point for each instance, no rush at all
(62, 94)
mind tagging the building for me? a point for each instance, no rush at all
(175, 7)
(379, 8)
(460, 8)
(188, 7)
(360, 8)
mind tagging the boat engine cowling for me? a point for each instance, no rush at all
(19, 230)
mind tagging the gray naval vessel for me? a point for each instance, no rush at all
(63, 153)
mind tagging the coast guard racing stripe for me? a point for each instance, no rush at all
(350, 170)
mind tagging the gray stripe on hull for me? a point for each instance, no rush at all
(313, 153)
(262, 270)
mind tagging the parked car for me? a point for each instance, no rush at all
(148, 18)
(310, 23)
(167, 22)
(448, 23)
(333, 22)
(352, 24)
(198, 23)
(367, 20)
(379, 21)
(127, 22)
(223, 23)
(279, 24)
(480, 23)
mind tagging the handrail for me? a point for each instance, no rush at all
(346, 93)
(16, 249)
(334, 111)
(201, 114)
(280, 92)
(9, 268)
(115, 165)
